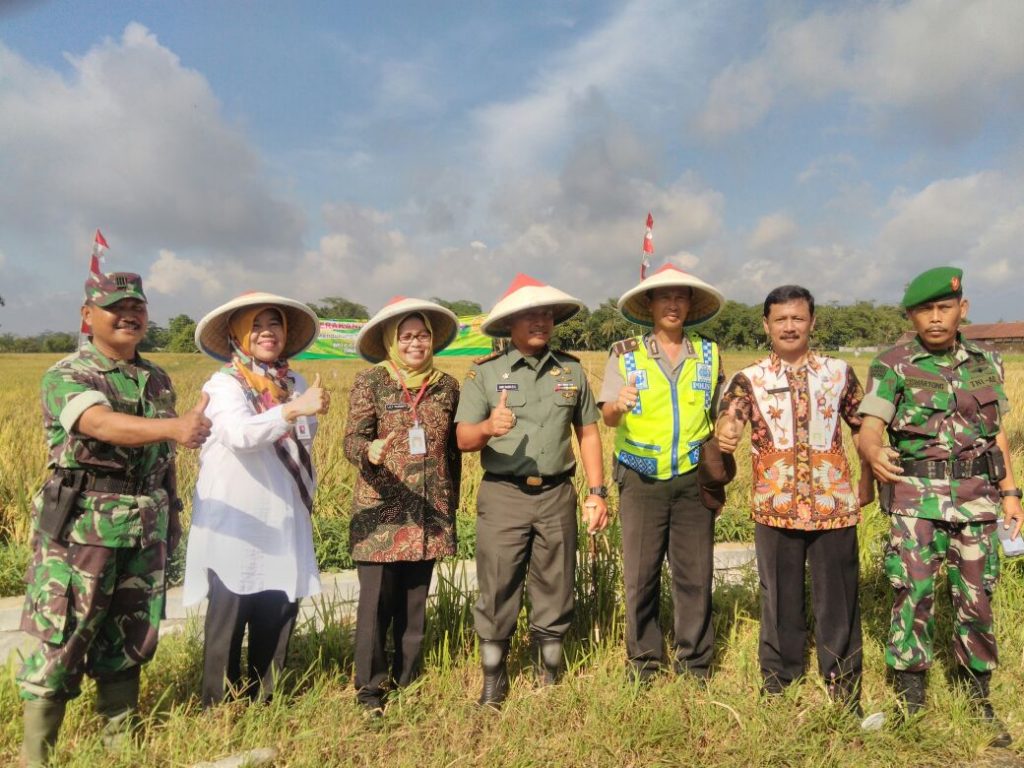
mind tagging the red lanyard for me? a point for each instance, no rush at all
(408, 397)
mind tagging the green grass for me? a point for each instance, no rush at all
(594, 718)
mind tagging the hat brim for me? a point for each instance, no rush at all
(116, 296)
(213, 333)
(563, 306)
(706, 302)
(370, 340)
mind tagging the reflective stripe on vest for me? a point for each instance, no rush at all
(648, 442)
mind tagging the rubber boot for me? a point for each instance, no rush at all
(118, 701)
(42, 718)
(493, 654)
(910, 688)
(978, 686)
(550, 660)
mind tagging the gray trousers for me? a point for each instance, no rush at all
(525, 535)
(662, 517)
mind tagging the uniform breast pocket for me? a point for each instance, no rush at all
(923, 411)
(988, 410)
(567, 397)
(516, 399)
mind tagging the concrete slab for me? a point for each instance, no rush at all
(339, 596)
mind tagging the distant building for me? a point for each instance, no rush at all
(1006, 337)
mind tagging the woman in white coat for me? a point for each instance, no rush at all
(250, 548)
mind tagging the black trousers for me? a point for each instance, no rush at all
(390, 595)
(662, 517)
(270, 619)
(832, 557)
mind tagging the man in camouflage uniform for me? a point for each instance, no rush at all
(943, 476)
(105, 521)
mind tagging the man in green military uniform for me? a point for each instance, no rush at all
(105, 521)
(660, 393)
(942, 478)
(518, 408)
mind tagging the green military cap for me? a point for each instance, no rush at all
(937, 283)
(104, 290)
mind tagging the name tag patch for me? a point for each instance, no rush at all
(396, 406)
(508, 386)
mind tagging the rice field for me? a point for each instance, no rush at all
(594, 718)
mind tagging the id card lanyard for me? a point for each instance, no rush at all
(417, 437)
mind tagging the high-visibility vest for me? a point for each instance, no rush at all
(662, 435)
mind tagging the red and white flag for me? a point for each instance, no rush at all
(99, 245)
(648, 247)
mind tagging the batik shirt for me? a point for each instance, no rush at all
(940, 407)
(801, 477)
(138, 388)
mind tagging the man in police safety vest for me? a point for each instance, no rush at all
(660, 393)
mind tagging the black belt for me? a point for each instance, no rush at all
(951, 469)
(532, 482)
(123, 485)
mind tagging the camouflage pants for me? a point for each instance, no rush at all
(94, 609)
(914, 553)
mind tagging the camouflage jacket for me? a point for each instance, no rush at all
(78, 382)
(940, 407)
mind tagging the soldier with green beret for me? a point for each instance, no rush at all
(945, 479)
(105, 521)
(519, 408)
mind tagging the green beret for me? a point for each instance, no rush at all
(932, 285)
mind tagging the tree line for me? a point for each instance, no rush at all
(737, 326)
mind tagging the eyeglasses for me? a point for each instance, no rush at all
(408, 338)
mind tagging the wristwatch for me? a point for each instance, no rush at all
(1012, 492)
(598, 490)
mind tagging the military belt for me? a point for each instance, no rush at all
(531, 482)
(124, 485)
(950, 469)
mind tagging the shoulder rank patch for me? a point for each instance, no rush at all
(471, 374)
(488, 358)
(625, 346)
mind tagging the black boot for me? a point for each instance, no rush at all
(910, 688)
(550, 660)
(492, 658)
(977, 686)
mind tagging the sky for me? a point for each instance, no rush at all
(368, 150)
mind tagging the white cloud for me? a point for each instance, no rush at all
(944, 62)
(175, 276)
(641, 43)
(771, 230)
(132, 140)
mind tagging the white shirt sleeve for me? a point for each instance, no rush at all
(234, 423)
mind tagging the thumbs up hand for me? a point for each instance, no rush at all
(376, 450)
(314, 400)
(728, 431)
(628, 395)
(193, 427)
(501, 420)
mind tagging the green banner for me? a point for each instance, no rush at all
(337, 340)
